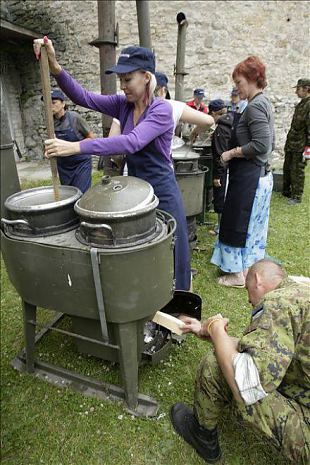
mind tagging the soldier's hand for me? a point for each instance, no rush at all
(191, 325)
(207, 326)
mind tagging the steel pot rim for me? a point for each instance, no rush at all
(117, 215)
(14, 207)
(185, 157)
(191, 173)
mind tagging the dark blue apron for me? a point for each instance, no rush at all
(74, 170)
(243, 181)
(151, 166)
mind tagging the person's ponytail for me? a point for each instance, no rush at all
(150, 88)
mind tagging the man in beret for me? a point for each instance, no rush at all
(235, 103)
(197, 101)
(220, 142)
(217, 108)
(297, 141)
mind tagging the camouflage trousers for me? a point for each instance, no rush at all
(283, 421)
(293, 174)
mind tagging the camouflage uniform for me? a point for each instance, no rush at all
(297, 139)
(278, 341)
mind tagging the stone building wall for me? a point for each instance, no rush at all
(219, 35)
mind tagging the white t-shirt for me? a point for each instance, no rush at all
(177, 110)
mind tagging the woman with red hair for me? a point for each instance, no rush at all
(244, 223)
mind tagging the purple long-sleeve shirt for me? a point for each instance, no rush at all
(155, 124)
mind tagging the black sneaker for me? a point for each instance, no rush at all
(204, 441)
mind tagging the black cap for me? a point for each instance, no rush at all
(199, 92)
(161, 78)
(134, 58)
(216, 105)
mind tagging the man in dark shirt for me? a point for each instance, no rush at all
(297, 139)
(197, 102)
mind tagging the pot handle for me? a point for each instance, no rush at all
(6, 222)
(86, 225)
(171, 224)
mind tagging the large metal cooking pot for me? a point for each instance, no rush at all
(185, 159)
(190, 179)
(34, 212)
(118, 212)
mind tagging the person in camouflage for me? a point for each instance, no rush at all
(297, 139)
(264, 376)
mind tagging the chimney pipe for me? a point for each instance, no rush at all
(106, 42)
(180, 58)
(9, 176)
(143, 14)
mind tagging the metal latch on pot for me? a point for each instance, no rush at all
(97, 281)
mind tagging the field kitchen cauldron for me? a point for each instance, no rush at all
(191, 181)
(106, 261)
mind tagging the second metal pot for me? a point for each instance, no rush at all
(34, 212)
(118, 212)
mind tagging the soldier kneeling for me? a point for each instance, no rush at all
(264, 376)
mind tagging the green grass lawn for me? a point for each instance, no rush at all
(43, 424)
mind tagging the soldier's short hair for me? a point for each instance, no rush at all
(268, 270)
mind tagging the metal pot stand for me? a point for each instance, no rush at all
(120, 341)
(26, 362)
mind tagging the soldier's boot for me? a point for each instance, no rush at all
(204, 441)
(286, 193)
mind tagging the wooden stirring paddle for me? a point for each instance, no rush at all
(46, 91)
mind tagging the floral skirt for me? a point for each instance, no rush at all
(235, 259)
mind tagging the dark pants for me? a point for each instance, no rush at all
(293, 174)
(219, 194)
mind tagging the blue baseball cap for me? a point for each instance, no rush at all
(216, 105)
(57, 94)
(199, 92)
(134, 58)
(161, 78)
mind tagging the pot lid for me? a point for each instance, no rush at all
(116, 197)
(177, 142)
(184, 153)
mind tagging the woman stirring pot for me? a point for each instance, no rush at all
(146, 134)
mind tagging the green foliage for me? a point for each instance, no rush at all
(44, 424)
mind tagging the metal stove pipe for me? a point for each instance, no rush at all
(9, 177)
(106, 42)
(143, 14)
(180, 58)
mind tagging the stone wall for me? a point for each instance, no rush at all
(219, 35)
